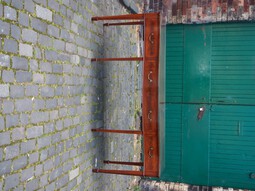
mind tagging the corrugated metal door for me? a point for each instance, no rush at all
(210, 67)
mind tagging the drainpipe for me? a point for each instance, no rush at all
(128, 6)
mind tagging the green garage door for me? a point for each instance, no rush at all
(210, 105)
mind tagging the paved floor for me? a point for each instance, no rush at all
(121, 101)
(51, 95)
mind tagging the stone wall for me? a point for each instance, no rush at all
(51, 95)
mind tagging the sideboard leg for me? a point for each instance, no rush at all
(119, 17)
(121, 172)
(124, 163)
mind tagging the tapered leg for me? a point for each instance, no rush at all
(122, 172)
(117, 131)
(124, 163)
(124, 23)
(119, 17)
(117, 59)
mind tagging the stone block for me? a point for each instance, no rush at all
(20, 163)
(39, 104)
(12, 120)
(11, 181)
(29, 6)
(19, 63)
(2, 123)
(1, 15)
(51, 55)
(16, 91)
(24, 119)
(23, 76)
(18, 133)
(11, 151)
(39, 25)
(8, 76)
(1, 154)
(32, 184)
(34, 132)
(38, 78)
(32, 90)
(73, 173)
(70, 47)
(4, 90)
(10, 46)
(53, 31)
(43, 2)
(48, 165)
(51, 187)
(49, 128)
(44, 181)
(59, 44)
(5, 167)
(23, 105)
(53, 4)
(25, 50)
(47, 91)
(23, 19)
(33, 64)
(5, 138)
(17, 4)
(51, 79)
(4, 59)
(28, 146)
(51, 103)
(57, 68)
(45, 40)
(62, 181)
(57, 19)
(29, 35)
(54, 114)
(34, 157)
(10, 13)
(15, 32)
(46, 67)
(39, 169)
(43, 13)
(8, 106)
(4, 28)
(27, 174)
(37, 117)
(44, 141)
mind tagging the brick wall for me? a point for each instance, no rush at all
(150, 185)
(50, 93)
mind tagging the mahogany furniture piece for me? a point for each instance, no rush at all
(151, 23)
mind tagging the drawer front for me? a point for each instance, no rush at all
(150, 78)
(150, 97)
(151, 36)
(151, 153)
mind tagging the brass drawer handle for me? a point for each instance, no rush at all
(151, 38)
(150, 152)
(149, 76)
(149, 115)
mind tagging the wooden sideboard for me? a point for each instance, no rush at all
(150, 127)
